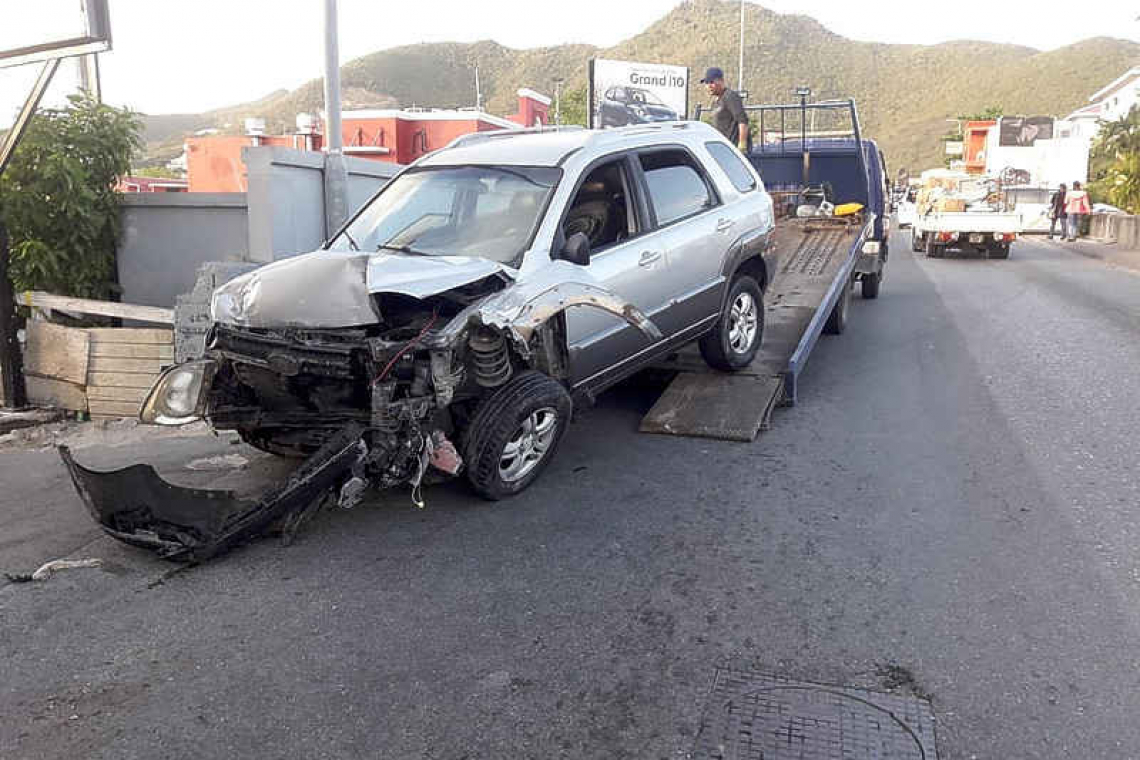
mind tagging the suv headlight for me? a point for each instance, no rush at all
(179, 395)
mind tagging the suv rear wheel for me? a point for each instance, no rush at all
(734, 340)
(514, 433)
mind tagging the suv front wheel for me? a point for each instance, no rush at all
(734, 340)
(514, 433)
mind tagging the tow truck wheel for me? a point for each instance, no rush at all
(837, 320)
(514, 433)
(734, 340)
(871, 284)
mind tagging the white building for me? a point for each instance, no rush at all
(1109, 103)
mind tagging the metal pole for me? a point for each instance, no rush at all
(89, 76)
(558, 102)
(740, 78)
(336, 175)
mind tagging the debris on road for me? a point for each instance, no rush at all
(221, 462)
(10, 421)
(136, 506)
(45, 570)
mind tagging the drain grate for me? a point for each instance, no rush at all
(814, 252)
(753, 716)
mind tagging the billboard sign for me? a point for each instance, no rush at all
(1023, 131)
(626, 92)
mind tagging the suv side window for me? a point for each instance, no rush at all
(733, 166)
(676, 187)
(603, 207)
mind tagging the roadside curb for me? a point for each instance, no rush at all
(1102, 252)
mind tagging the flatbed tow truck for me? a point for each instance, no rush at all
(803, 148)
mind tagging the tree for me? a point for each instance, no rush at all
(1114, 162)
(575, 106)
(58, 201)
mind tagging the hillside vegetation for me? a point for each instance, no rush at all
(904, 92)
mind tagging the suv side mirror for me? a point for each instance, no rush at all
(577, 249)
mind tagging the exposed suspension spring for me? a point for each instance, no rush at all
(490, 357)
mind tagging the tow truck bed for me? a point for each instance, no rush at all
(817, 257)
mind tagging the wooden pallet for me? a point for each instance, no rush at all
(124, 363)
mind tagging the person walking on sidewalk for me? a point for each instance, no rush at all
(728, 116)
(1057, 211)
(1076, 206)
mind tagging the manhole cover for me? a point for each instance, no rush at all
(759, 717)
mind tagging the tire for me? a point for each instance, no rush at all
(933, 250)
(999, 251)
(915, 241)
(871, 284)
(732, 343)
(513, 415)
(837, 320)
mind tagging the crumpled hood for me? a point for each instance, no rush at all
(423, 276)
(326, 289)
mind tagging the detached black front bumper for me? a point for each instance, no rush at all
(138, 507)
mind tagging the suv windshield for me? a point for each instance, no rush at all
(486, 211)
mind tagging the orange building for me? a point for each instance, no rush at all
(974, 135)
(214, 163)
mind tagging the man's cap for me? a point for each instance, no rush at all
(712, 74)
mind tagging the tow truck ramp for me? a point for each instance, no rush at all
(817, 258)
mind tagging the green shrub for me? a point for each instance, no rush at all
(58, 201)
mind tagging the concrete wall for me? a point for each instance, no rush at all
(167, 237)
(286, 198)
(1122, 229)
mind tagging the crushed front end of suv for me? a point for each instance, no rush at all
(451, 325)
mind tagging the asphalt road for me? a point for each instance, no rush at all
(955, 495)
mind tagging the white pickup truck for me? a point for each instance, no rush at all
(988, 232)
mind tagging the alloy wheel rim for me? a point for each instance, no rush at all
(743, 323)
(529, 444)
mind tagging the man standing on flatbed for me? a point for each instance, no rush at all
(728, 116)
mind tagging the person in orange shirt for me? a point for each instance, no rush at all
(1076, 206)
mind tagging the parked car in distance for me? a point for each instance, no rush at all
(632, 105)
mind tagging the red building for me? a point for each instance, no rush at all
(214, 164)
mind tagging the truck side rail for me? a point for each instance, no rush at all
(815, 327)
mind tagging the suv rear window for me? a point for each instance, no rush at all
(676, 188)
(733, 166)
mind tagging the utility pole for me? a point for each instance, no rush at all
(336, 174)
(478, 92)
(558, 101)
(740, 77)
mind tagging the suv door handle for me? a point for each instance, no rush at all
(648, 257)
(724, 224)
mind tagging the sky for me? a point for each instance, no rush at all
(187, 56)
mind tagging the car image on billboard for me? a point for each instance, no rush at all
(632, 105)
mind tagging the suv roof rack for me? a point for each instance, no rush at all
(498, 134)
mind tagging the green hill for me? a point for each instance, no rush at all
(904, 92)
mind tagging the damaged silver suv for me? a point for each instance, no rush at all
(455, 320)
